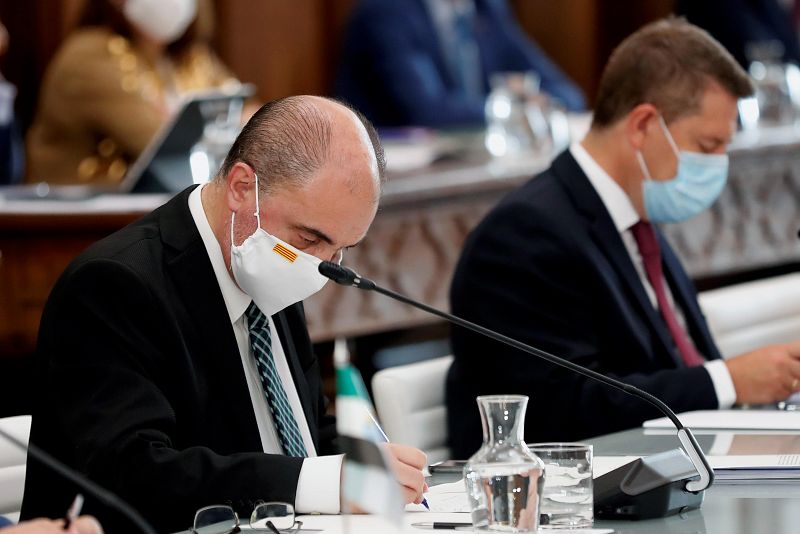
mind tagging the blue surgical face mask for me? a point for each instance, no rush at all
(698, 183)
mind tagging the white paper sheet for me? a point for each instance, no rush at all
(444, 498)
(733, 419)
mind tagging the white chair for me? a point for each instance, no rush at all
(410, 404)
(750, 315)
(12, 465)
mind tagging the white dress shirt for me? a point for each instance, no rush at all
(318, 485)
(624, 215)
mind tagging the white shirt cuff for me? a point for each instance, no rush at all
(723, 383)
(318, 485)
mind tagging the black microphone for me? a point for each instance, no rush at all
(100, 493)
(656, 486)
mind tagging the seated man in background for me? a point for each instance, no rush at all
(174, 360)
(573, 264)
(113, 83)
(428, 62)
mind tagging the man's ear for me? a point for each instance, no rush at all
(239, 186)
(638, 123)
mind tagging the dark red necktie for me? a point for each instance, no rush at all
(647, 242)
(796, 15)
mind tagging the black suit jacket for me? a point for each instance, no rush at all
(548, 267)
(142, 386)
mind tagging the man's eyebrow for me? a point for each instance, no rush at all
(320, 234)
(315, 232)
(716, 140)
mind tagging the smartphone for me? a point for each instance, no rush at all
(448, 466)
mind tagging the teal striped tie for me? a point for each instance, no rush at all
(282, 415)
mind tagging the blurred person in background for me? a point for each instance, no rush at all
(740, 24)
(11, 154)
(573, 262)
(115, 80)
(429, 62)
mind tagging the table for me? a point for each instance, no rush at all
(728, 509)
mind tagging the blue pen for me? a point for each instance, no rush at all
(386, 439)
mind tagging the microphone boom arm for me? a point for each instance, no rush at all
(345, 276)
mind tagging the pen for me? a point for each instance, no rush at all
(74, 511)
(386, 439)
(441, 525)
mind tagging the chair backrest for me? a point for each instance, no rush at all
(410, 404)
(12, 464)
(750, 315)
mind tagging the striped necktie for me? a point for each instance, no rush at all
(282, 415)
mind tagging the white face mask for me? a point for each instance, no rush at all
(162, 20)
(272, 272)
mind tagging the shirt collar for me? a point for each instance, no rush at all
(236, 300)
(614, 198)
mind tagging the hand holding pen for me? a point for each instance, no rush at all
(70, 523)
(408, 465)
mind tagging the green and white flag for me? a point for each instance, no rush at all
(367, 480)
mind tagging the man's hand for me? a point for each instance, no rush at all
(407, 464)
(768, 374)
(83, 525)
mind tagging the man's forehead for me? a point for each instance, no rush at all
(341, 221)
(717, 112)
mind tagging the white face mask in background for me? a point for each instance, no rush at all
(162, 20)
(272, 272)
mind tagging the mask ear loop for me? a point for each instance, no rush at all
(233, 221)
(643, 166)
(668, 135)
(257, 214)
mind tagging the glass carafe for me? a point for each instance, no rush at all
(776, 83)
(516, 116)
(504, 478)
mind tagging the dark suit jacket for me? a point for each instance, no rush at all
(392, 67)
(142, 386)
(548, 267)
(735, 23)
(11, 154)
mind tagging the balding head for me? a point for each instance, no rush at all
(318, 165)
(289, 140)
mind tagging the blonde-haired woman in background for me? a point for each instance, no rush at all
(115, 80)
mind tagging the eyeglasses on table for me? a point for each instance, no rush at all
(275, 517)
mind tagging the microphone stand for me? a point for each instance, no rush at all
(648, 487)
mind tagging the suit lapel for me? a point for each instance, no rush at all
(300, 381)
(206, 313)
(608, 240)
